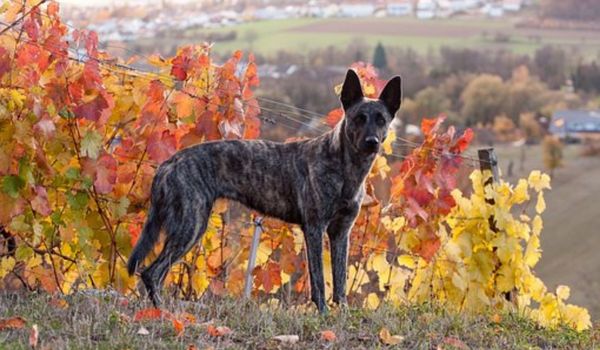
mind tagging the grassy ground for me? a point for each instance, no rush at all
(84, 321)
(299, 35)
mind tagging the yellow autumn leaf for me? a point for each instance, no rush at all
(407, 260)
(459, 282)
(577, 317)
(388, 339)
(563, 292)
(369, 90)
(541, 203)
(539, 181)
(7, 264)
(372, 301)
(387, 143)
(520, 193)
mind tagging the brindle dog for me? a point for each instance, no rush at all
(316, 183)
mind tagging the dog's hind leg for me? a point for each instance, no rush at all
(178, 242)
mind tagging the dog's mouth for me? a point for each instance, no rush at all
(370, 148)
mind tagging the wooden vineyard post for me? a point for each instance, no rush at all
(489, 161)
(252, 258)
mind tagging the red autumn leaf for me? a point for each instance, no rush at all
(32, 24)
(5, 62)
(334, 117)
(93, 109)
(181, 64)
(207, 126)
(40, 202)
(428, 248)
(463, 142)
(17, 322)
(153, 111)
(161, 146)
(268, 276)
(106, 174)
(151, 314)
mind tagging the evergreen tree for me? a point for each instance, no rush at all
(379, 58)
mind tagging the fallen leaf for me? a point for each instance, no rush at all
(12, 323)
(143, 331)
(218, 331)
(496, 318)
(151, 314)
(192, 347)
(287, 339)
(328, 335)
(59, 303)
(186, 318)
(454, 343)
(33, 336)
(178, 326)
(389, 339)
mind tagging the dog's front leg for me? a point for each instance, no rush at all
(338, 232)
(313, 235)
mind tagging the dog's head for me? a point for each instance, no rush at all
(367, 119)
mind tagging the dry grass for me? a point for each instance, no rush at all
(88, 321)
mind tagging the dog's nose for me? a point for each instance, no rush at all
(372, 141)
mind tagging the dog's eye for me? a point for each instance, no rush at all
(361, 118)
(380, 120)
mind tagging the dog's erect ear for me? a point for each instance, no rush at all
(392, 94)
(351, 90)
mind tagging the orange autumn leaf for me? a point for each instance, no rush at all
(151, 314)
(178, 326)
(328, 335)
(17, 322)
(219, 331)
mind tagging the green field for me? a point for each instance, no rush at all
(300, 35)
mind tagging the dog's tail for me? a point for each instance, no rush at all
(147, 240)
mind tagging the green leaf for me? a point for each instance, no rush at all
(78, 201)
(66, 114)
(91, 144)
(23, 252)
(12, 184)
(72, 173)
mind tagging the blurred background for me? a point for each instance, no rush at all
(523, 74)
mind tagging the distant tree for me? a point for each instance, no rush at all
(430, 102)
(504, 128)
(551, 65)
(525, 93)
(530, 127)
(379, 57)
(484, 98)
(587, 77)
(553, 153)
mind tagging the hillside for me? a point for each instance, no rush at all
(570, 239)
